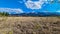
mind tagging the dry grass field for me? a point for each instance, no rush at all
(29, 25)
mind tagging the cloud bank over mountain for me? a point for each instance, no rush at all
(11, 10)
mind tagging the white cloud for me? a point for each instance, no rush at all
(35, 5)
(11, 10)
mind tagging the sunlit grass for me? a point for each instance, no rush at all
(20, 25)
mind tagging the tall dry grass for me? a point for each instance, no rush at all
(29, 25)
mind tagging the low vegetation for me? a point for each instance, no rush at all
(29, 25)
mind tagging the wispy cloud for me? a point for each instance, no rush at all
(10, 10)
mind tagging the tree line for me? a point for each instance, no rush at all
(4, 14)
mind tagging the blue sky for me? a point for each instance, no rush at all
(20, 6)
(9, 3)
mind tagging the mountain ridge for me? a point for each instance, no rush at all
(36, 14)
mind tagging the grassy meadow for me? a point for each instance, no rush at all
(29, 25)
